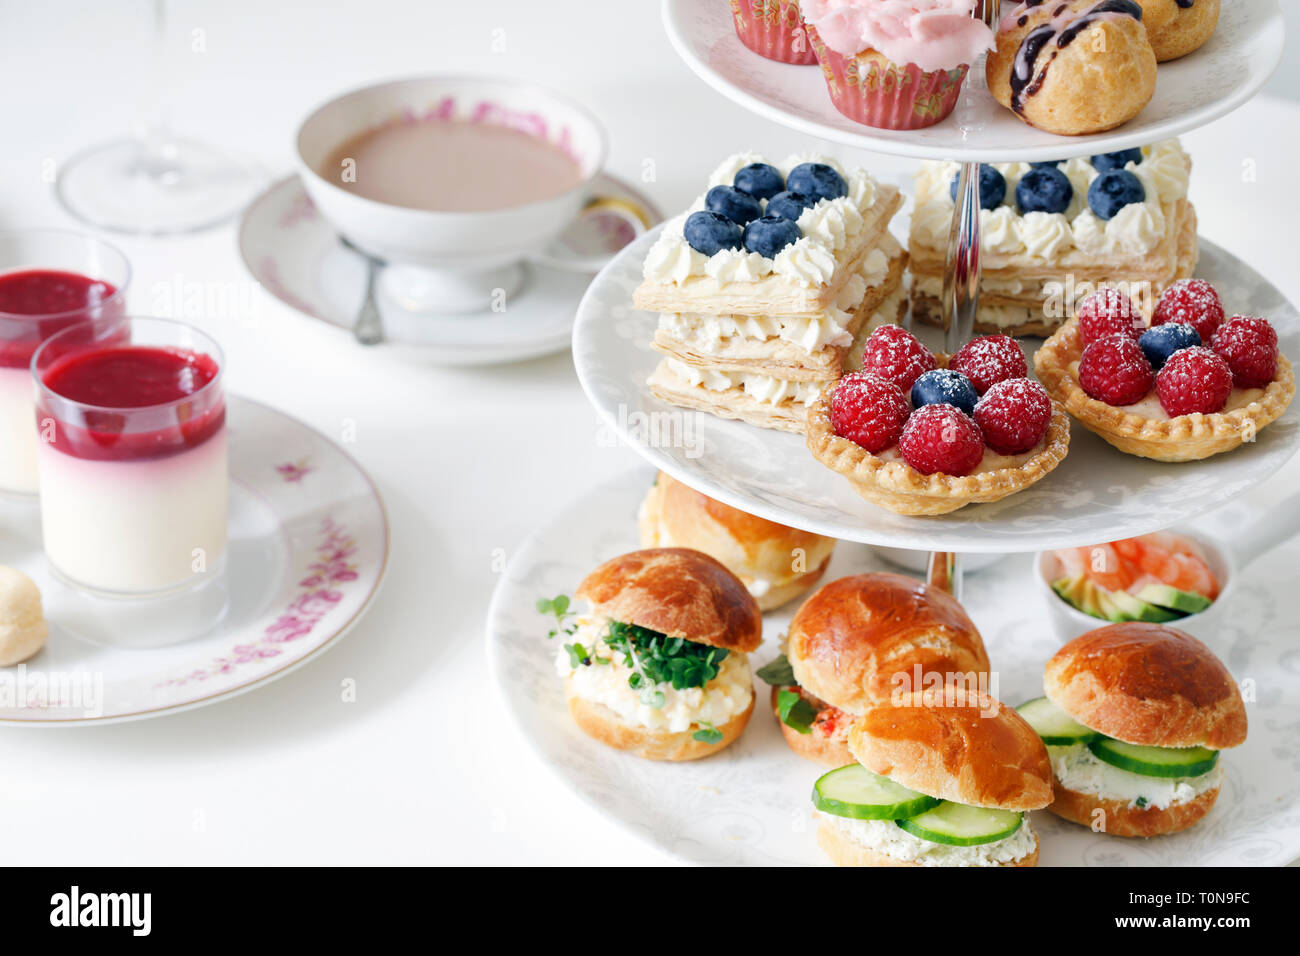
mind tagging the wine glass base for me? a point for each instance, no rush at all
(178, 186)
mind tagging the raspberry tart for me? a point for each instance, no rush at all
(1193, 385)
(920, 434)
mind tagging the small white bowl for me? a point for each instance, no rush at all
(1069, 622)
(472, 253)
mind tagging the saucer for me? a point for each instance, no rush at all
(307, 552)
(294, 253)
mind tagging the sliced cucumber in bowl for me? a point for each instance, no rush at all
(1155, 761)
(1055, 726)
(956, 824)
(857, 793)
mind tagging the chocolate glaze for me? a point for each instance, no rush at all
(1024, 82)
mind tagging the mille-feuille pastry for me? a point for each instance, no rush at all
(1134, 719)
(659, 666)
(920, 439)
(1178, 27)
(939, 779)
(856, 642)
(1073, 66)
(767, 239)
(774, 562)
(1191, 386)
(1050, 233)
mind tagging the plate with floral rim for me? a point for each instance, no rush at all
(749, 804)
(307, 553)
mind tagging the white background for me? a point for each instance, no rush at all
(423, 767)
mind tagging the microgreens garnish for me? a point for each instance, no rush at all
(795, 712)
(778, 672)
(559, 607)
(658, 659)
(708, 734)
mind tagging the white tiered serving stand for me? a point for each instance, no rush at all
(1097, 494)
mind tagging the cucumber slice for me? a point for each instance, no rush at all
(1055, 726)
(955, 824)
(857, 793)
(1162, 595)
(1155, 761)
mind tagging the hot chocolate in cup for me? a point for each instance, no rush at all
(456, 181)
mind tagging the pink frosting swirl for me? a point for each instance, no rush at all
(933, 34)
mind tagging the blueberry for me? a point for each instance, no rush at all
(1162, 341)
(1047, 163)
(1108, 161)
(993, 187)
(941, 386)
(816, 180)
(759, 180)
(1045, 189)
(771, 234)
(707, 232)
(728, 201)
(1112, 191)
(789, 205)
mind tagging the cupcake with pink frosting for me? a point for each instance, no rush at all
(895, 64)
(774, 29)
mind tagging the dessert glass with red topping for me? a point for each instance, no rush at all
(921, 435)
(1194, 384)
(131, 420)
(49, 280)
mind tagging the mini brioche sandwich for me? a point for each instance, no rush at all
(660, 667)
(847, 647)
(776, 563)
(1134, 719)
(942, 782)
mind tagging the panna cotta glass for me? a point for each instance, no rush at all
(49, 280)
(131, 452)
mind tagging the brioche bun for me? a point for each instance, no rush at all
(1147, 684)
(677, 592)
(982, 753)
(754, 549)
(605, 725)
(832, 750)
(844, 851)
(1127, 821)
(849, 640)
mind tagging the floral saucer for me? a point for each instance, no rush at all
(308, 549)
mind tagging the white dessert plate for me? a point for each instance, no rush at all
(750, 804)
(1231, 68)
(297, 256)
(308, 549)
(1096, 494)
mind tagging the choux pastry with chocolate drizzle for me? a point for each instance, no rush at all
(1178, 27)
(1073, 66)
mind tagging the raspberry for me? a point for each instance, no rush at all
(1114, 370)
(988, 359)
(868, 410)
(1013, 415)
(1192, 301)
(1194, 380)
(1249, 346)
(1106, 312)
(941, 438)
(894, 353)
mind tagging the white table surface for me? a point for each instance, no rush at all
(422, 767)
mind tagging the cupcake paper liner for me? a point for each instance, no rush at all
(875, 92)
(774, 29)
